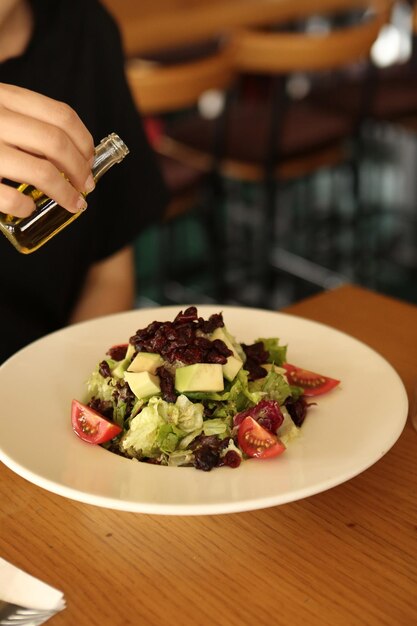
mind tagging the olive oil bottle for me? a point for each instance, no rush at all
(27, 234)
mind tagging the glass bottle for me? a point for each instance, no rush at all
(28, 234)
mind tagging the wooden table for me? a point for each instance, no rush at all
(346, 557)
(152, 25)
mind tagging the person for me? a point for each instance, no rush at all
(62, 89)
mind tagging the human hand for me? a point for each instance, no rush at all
(41, 138)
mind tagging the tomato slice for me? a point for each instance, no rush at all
(313, 384)
(90, 426)
(256, 441)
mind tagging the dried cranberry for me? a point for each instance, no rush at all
(191, 354)
(256, 351)
(167, 384)
(104, 369)
(212, 356)
(231, 459)
(255, 356)
(189, 315)
(213, 322)
(220, 347)
(255, 370)
(179, 341)
(117, 352)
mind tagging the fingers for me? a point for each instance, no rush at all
(48, 141)
(18, 165)
(13, 202)
(41, 139)
(51, 111)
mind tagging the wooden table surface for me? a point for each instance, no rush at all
(152, 25)
(347, 556)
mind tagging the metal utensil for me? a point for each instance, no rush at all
(15, 615)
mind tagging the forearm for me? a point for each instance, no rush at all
(108, 288)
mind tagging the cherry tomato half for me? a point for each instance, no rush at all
(90, 426)
(313, 384)
(258, 442)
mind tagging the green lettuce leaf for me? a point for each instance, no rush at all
(277, 353)
(160, 426)
(119, 413)
(288, 430)
(216, 426)
(167, 439)
(180, 457)
(190, 414)
(143, 433)
(274, 386)
(100, 387)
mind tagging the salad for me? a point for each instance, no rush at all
(187, 393)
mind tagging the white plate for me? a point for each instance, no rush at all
(351, 427)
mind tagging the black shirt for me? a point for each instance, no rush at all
(75, 56)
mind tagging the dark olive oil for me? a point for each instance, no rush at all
(27, 234)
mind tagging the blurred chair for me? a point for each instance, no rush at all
(171, 84)
(392, 87)
(396, 96)
(389, 220)
(273, 139)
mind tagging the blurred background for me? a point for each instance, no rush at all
(286, 131)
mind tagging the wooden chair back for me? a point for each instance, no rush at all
(159, 89)
(286, 52)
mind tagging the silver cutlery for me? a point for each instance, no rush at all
(15, 615)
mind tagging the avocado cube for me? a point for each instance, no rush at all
(199, 377)
(130, 351)
(119, 370)
(146, 362)
(143, 384)
(232, 367)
